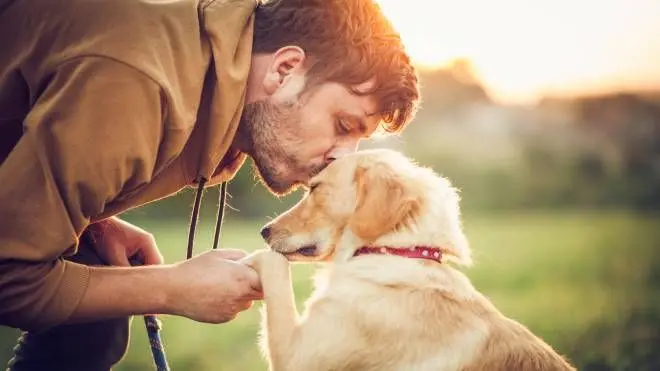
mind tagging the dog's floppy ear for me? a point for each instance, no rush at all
(383, 205)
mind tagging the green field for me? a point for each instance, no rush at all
(585, 282)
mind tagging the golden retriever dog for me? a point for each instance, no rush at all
(391, 298)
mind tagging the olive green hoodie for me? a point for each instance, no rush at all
(106, 105)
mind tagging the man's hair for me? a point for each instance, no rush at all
(348, 42)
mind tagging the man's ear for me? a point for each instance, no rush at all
(383, 204)
(286, 63)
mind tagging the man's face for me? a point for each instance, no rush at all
(291, 137)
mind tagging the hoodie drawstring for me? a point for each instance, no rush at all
(221, 213)
(194, 217)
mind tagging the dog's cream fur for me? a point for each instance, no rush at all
(381, 312)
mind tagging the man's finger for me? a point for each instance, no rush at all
(256, 295)
(117, 257)
(151, 255)
(246, 305)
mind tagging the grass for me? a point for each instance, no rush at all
(585, 282)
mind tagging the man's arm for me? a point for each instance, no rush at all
(211, 287)
(93, 131)
(122, 291)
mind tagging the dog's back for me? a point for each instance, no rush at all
(411, 315)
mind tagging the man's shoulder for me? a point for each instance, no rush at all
(146, 34)
(160, 38)
(119, 28)
(129, 10)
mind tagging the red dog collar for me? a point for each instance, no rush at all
(415, 252)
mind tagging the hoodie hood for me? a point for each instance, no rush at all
(229, 27)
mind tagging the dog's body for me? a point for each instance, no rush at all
(379, 311)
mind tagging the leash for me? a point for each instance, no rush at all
(154, 325)
(151, 322)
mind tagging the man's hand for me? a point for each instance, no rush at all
(213, 286)
(117, 241)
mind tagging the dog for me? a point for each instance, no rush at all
(391, 298)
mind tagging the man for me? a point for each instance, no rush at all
(106, 105)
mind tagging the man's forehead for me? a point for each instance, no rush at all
(365, 86)
(367, 99)
(345, 94)
(373, 119)
(364, 107)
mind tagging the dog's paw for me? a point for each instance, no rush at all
(252, 258)
(264, 258)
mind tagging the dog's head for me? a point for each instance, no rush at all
(371, 197)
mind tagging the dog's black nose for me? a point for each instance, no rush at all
(265, 232)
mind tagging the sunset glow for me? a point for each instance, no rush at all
(523, 49)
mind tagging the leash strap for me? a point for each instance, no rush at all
(157, 350)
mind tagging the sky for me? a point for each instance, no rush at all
(525, 49)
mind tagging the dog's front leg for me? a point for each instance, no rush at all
(280, 317)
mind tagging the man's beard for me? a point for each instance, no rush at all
(266, 129)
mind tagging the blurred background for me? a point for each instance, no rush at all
(546, 115)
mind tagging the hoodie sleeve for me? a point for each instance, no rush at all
(93, 132)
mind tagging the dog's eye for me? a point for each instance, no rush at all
(312, 187)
